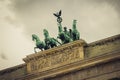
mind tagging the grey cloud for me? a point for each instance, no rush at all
(37, 15)
(115, 4)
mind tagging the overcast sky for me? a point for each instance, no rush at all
(19, 19)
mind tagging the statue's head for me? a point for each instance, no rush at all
(65, 28)
(70, 30)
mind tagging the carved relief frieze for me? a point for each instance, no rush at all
(60, 56)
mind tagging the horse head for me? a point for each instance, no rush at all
(74, 24)
(46, 33)
(34, 37)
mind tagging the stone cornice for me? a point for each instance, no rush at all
(115, 55)
(55, 57)
(40, 54)
(104, 41)
(12, 69)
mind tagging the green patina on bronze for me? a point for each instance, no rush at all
(75, 33)
(63, 34)
(39, 44)
(49, 41)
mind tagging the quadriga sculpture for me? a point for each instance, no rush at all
(64, 35)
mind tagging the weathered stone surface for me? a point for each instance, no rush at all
(13, 72)
(89, 68)
(102, 46)
(103, 71)
(56, 57)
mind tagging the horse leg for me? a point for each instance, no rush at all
(41, 49)
(35, 49)
(55, 45)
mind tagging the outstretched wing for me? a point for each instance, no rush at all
(60, 13)
(55, 14)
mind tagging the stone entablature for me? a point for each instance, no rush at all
(12, 69)
(105, 41)
(77, 66)
(102, 46)
(55, 57)
(97, 53)
(13, 72)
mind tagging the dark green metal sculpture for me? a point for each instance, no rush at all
(58, 15)
(63, 34)
(65, 31)
(39, 44)
(50, 42)
(75, 33)
(70, 34)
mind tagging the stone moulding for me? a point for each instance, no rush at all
(104, 41)
(55, 57)
(72, 67)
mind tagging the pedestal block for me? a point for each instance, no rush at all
(55, 57)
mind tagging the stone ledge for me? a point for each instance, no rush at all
(115, 55)
(55, 57)
(12, 69)
(55, 49)
(104, 41)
